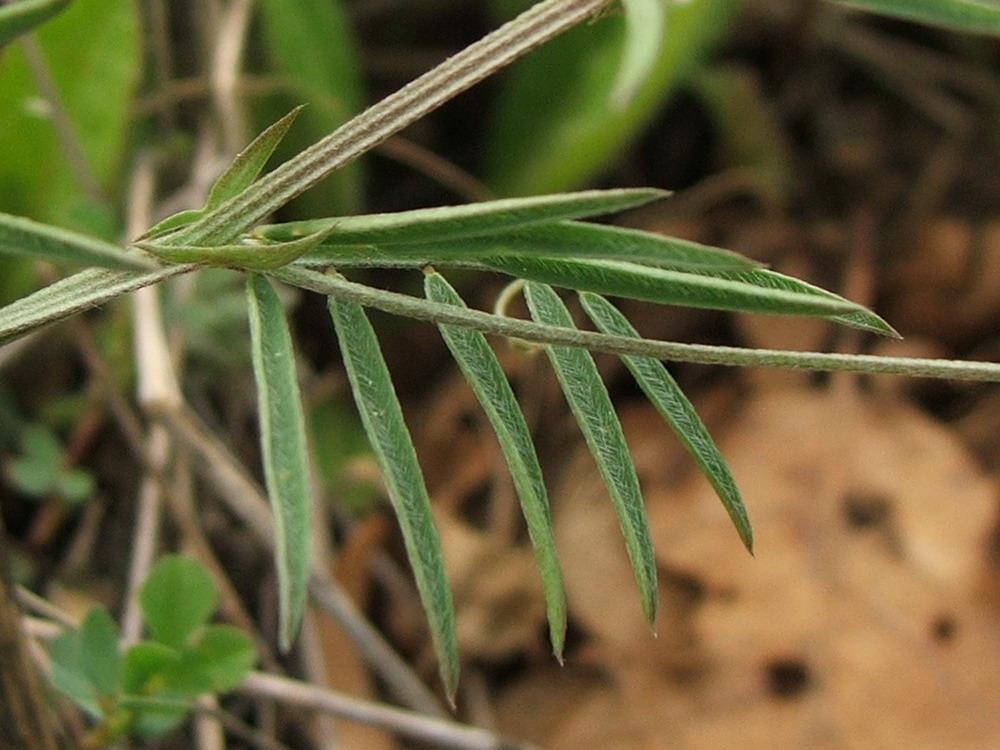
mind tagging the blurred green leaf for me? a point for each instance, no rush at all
(382, 416)
(283, 448)
(86, 663)
(39, 470)
(100, 659)
(644, 26)
(312, 43)
(217, 662)
(177, 598)
(591, 405)
(975, 16)
(487, 379)
(750, 138)
(555, 125)
(23, 15)
(95, 72)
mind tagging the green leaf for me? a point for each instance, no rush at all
(644, 27)
(100, 660)
(171, 223)
(567, 239)
(22, 16)
(591, 404)
(671, 287)
(218, 662)
(68, 676)
(20, 236)
(860, 318)
(382, 417)
(283, 448)
(177, 598)
(250, 255)
(247, 165)
(975, 16)
(664, 393)
(555, 123)
(463, 221)
(86, 663)
(72, 295)
(487, 379)
(92, 51)
(145, 667)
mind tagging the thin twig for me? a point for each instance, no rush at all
(438, 732)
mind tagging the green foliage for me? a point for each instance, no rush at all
(40, 469)
(565, 111)
(283, 446)
(382, 417)
(149, 688)
(23, 16)
(976, 16)
(558, 109)
(312, 44)
(95, 74)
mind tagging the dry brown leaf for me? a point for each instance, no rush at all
(862, 623)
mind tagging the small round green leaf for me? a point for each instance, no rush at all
(177, 598)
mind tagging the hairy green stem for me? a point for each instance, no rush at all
(404, 305)
(387, 117)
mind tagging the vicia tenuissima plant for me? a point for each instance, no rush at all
(540, 242)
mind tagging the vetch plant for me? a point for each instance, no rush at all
(540, 242)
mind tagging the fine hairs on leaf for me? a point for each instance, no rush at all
(591, 405)
(382, 417)
(283, 447)
(488, 381)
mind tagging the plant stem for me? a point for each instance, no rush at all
(428, 729)
(404, 305)
(387, 117)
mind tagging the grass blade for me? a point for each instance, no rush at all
(283, 449)
(73, 295)
(484, 374)
(20, 236)
(664, 393)
(390, 439)
(591, 404)
(670, 287)
(470, 220)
